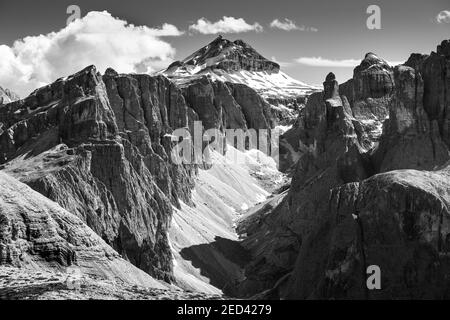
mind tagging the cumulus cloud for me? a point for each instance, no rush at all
(344, 63)
(289, 25)
(443, 17)
(224, 25)
(98, 38)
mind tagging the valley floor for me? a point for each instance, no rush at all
(207, 255)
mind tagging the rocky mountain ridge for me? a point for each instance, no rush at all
(369, 162)
(47, 252)
(238, 63)
(99, 146)
(387, 193)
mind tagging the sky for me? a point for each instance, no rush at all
(308, 38)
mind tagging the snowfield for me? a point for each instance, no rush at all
(268, 84)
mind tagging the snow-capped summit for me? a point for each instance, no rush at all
(237, 62)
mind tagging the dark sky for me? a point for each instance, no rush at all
(407, 26)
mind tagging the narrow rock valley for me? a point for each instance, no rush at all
(92, 205)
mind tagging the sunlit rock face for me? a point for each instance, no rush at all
(417, 132)
(38, 234)
(368, 94)
(86, 144)
(48, 253)
(228, 105)
(236, 62)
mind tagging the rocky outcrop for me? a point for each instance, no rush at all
(147, 110)
(368, 93)
(234, 56)
(36, 233)
(228, 105)
(78, 142)
(416, 134)
(340, 215)
(237, 62)
(372, 78)
(411, 139)
(436, 95)
(48, 253)
(331, 156)
(398, 221)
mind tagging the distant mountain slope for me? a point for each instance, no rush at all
(237, 62)
(7, 96)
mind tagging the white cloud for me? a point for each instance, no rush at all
(167, 30)
(289, 25)
(224, 25)
(321, 62)
(344, 63)
(98, 38)
(286, 25)
(443, 17)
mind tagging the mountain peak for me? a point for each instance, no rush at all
(373, 62)
(228, 56)
(238, 62)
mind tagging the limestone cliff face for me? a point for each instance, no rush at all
(228, 105)
(332, 155)
(36, 233)
(416, 135)
(336, 181)
(436, 75)
(368, 94)
(147, 110)
(100, 147)
(47, 252)
(372, 78)
(398, 221)
(86, 144)
(411, 138)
